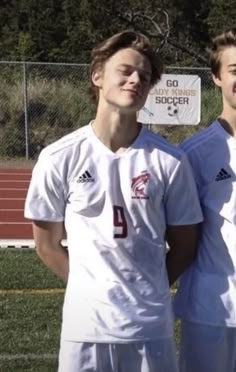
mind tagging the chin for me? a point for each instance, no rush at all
(130, 109)
(127, 105)
(134, 104)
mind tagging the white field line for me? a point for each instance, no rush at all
(21, 243)
(15, 178)
(12, 198)
(8, 188)
(15, 173)
(41, 291)
(8, 357)
(15, 223)
(30, 356)
(49, 291)
(5, 180)
(11, 210)
(17, 243)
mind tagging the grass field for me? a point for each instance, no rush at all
(30, 313)
(31, 299)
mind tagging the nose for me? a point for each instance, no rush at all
(135, 78)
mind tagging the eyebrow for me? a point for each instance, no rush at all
(130, 66)
(232, 65)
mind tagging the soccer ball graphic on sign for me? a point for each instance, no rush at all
(173, 110)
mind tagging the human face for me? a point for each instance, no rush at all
(227, 78)
(124, 82)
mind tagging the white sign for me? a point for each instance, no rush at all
(175, 99)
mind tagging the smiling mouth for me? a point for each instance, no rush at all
(132, 91)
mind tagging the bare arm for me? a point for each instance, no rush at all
(48, 237)
(182, 241)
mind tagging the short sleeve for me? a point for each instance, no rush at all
(45, 199)
(181, 201)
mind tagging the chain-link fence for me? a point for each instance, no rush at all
(40, 102)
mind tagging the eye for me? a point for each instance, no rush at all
(123, 71)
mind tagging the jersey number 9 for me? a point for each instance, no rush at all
(119, 222)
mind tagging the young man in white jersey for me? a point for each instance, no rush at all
(118, 191)
(206, 300)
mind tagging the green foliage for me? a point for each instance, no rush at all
(55, 107)
(67, 30)
(222, 15)
(25, 45)
(58, 103)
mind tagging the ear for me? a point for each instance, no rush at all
(217, 80)
(97, 78)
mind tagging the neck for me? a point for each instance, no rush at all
(117, 131)
(228, 122)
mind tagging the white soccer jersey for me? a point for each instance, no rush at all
(116, 208)
(207, 292)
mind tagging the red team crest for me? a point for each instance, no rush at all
(139, 185)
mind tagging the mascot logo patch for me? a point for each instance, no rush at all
(139, 185)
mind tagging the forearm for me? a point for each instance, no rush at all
(56, 259)
(48, 237)
(176, 263)
(183, 241)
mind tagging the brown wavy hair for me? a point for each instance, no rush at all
(225, 40)
(122, 40)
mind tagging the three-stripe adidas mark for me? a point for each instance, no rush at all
(86, 177)
(222, 175)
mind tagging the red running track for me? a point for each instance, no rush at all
(13, 188)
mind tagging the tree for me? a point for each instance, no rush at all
(222, 15)
(67, 30)
(165, 29)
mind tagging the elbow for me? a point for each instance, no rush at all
(42, 251)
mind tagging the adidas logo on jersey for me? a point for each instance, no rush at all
(222, 175)
(85, 178)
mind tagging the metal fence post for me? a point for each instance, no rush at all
(26, 111)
